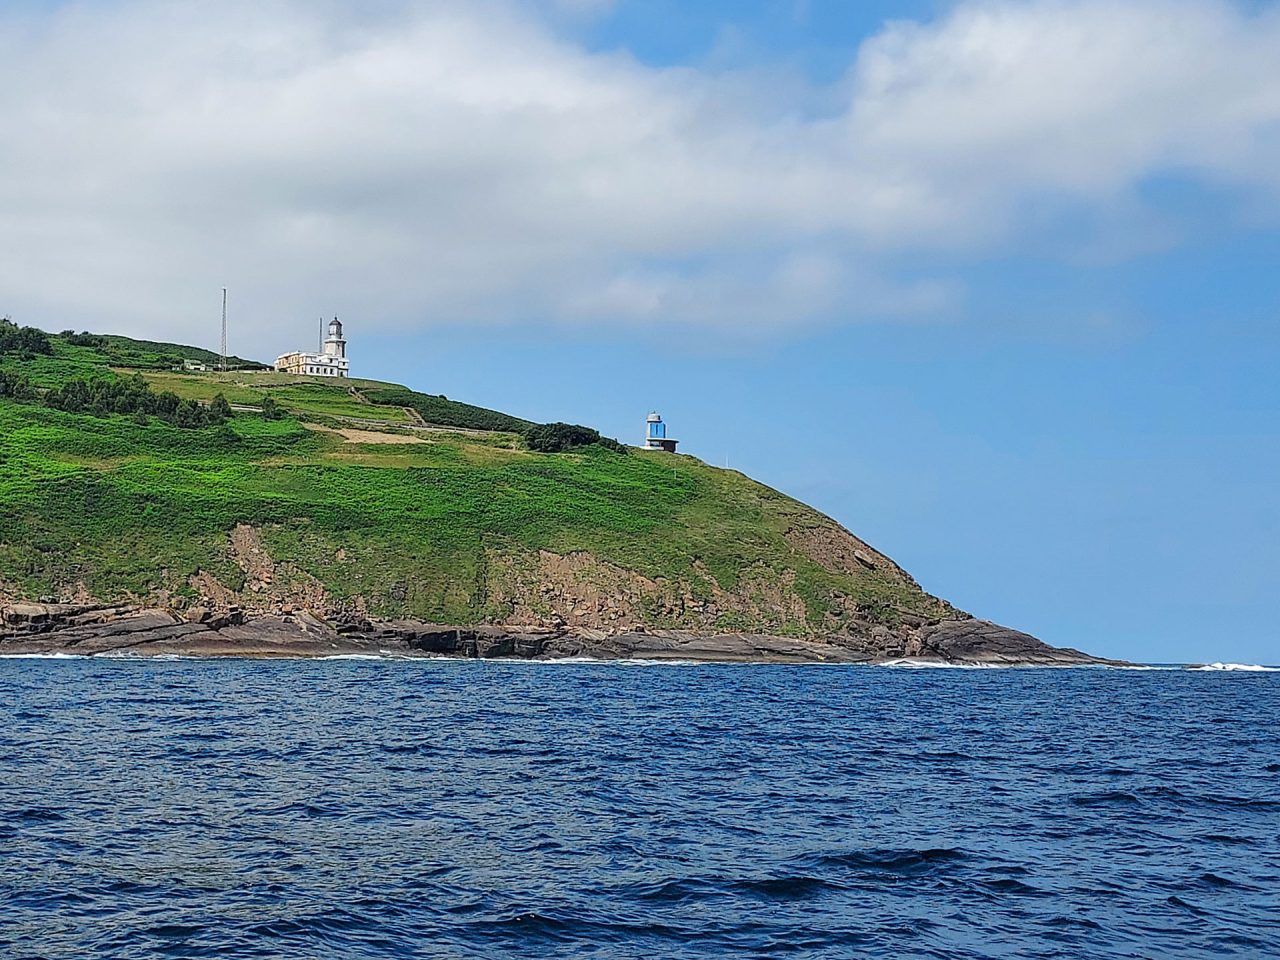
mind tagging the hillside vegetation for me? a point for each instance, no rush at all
(368, 499)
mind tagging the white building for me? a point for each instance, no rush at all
(332, 362)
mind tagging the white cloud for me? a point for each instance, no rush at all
(1073, 99)
(451, 162)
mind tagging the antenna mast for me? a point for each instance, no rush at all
(224, 329)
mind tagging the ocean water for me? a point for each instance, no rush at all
(436, 809)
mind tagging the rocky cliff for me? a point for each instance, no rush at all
(115, 630)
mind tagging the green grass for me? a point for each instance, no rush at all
(128, 509)
(442, 411)
(202, 386)
(67, 362)
(302, 395)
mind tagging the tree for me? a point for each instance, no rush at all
(269, 409)
(219, 409)
(190, 414)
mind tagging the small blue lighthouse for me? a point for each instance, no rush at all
(655, 435)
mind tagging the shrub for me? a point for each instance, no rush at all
(133, 395)
(219, 409)
(611, 444)
(16, 387)
(558, 437)
(84, 339)
(444, 412)
(270, 410)
(23, 341)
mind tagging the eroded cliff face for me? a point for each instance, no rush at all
(579, 591)
(537, 605)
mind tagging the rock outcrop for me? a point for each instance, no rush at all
(120, 630)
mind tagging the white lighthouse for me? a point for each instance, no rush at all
(655, 435)
(335, 346)
(330, 362)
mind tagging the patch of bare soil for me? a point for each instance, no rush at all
(366, 436)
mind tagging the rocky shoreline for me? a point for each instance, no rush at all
(123, 630)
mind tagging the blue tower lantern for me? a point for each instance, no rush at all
(655, 435)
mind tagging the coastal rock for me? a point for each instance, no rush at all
(131, 631)
(981, 641)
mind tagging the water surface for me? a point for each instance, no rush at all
(454, 809)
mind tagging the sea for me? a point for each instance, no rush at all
(439, 809)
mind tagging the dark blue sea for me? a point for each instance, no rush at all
(353, 808)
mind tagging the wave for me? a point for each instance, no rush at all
(908, 663)
(903, 663)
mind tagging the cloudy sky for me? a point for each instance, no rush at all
(992, 281)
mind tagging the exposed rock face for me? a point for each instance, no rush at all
(840, 551)
(122, 630)
(583, 592)
(981, 641)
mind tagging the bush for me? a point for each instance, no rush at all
(133, 395)
(270, 409)
(219, 409)
(444, 412)
(84, 339)
(558, 437)
(23, 341)
(16, 387)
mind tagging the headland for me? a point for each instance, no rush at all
(160, 499)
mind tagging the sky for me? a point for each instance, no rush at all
(992, 282)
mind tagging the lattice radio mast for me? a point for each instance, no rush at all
(224, 329)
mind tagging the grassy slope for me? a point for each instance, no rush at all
(125, 351)
(116, 508)
(303, 395)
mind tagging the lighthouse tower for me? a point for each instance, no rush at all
(335, 345)
(655, 435)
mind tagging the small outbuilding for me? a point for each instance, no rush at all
(655, 435)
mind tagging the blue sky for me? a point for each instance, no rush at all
(991, 282)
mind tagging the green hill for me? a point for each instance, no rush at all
(122, 479)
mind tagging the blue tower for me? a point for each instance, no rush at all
(655, 435)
